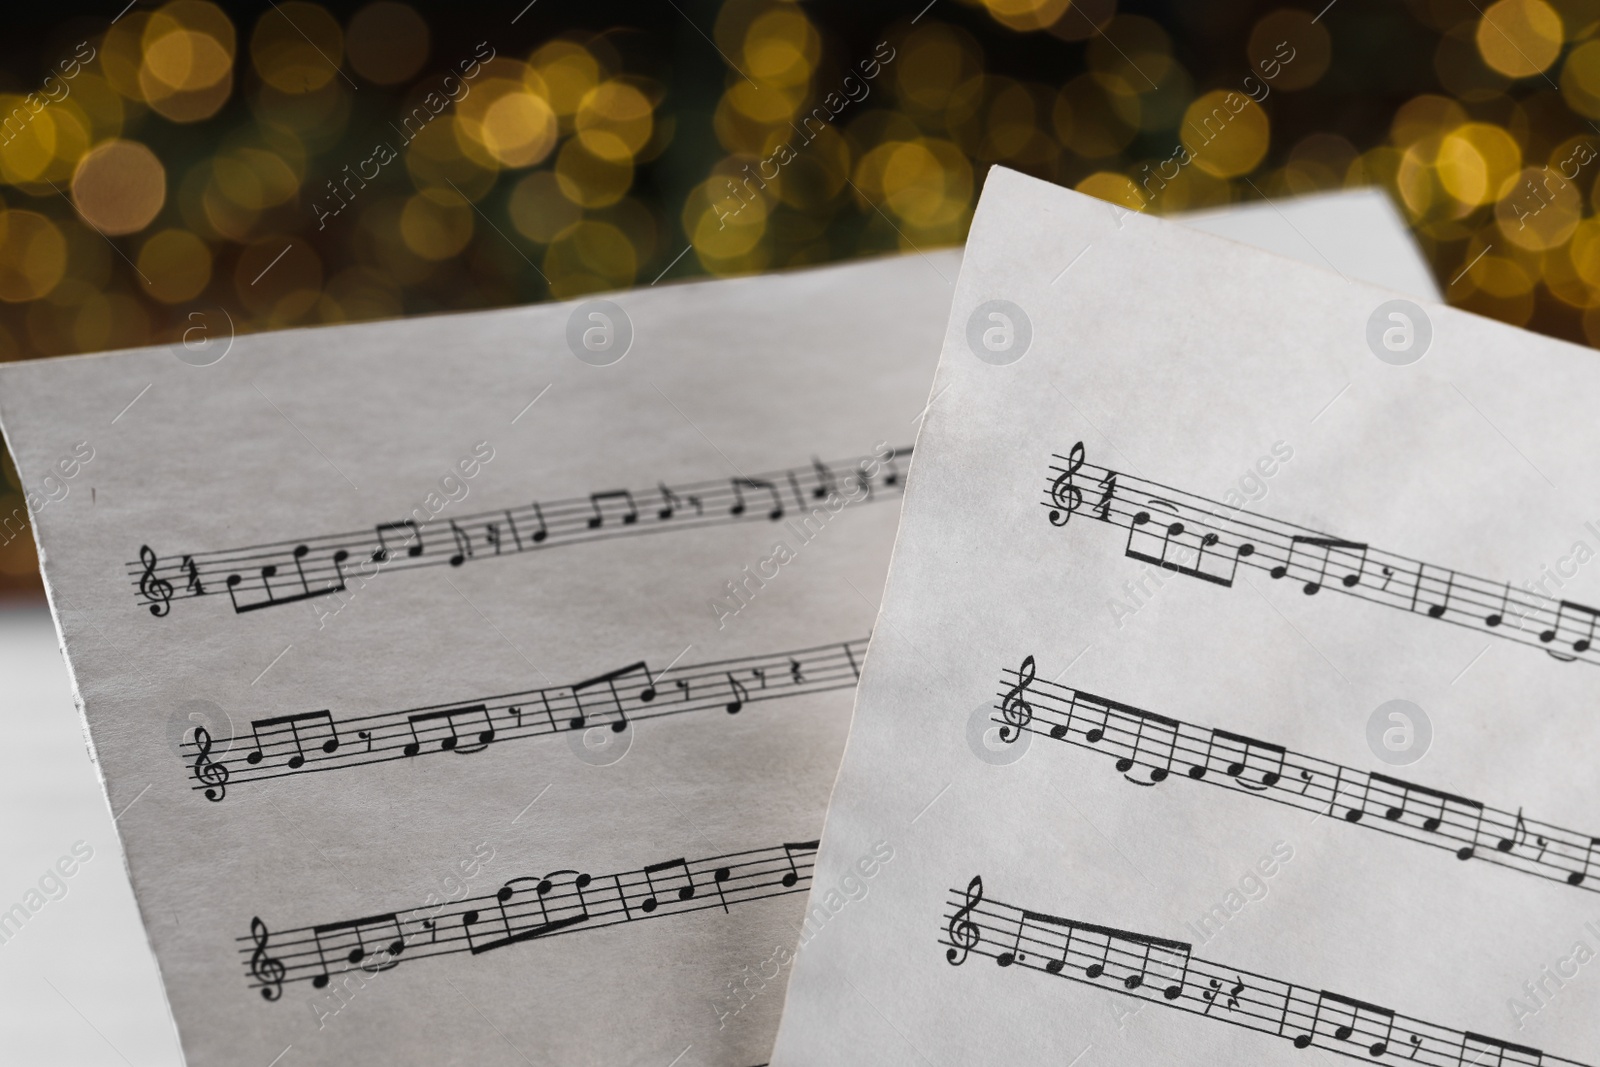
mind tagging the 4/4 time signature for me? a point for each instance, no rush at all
(1158, 748)
(523, 909)
(1208, 540)
(1165, 972)
(287, 572)
(315, 741)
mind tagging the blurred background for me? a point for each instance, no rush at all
(189, 168)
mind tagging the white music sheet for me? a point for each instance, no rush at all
(1152, 802)
(299, 435)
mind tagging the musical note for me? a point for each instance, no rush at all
(962, 931)
(1158, 970)
(1329, 546)
(556, 910)
(285, 572)
(1496, 618)
(1346, 1031)
(356, 953)
(266, 969)
(270, 571)
(1066, 496)
(742, 483)
(669, 502)
(1134, 736)
(293, 723)
(1017, 711)
(453, 742)
(739, 694)
(413, 541)
(463, 545)
(685, 891)
(1144, 718)
(1431, 823)
(365, 735)
(212, 775)
(1582, 644)
(158, 591)
(615, 706)
(1176, 555)
(825, 480)
(1435, 611)
(792, 875)
(1578, 877)
(522, 909)
(630, 514)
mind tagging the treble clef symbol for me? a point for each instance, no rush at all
(1066, 496)
(1017, 712)
(208, 772)
(157, 590)
(964, 933)
(267, 970)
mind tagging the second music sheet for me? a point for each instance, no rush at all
(1236, 666)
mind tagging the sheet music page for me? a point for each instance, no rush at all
(1232, 691)
(327, 776)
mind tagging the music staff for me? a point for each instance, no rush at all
(288, 572)
(1150, 748)
(1208, 540)
(312, 741)
(522, 909)
(1166, 972)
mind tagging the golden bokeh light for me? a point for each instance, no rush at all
(1476, 160)
(590, 180)
(119, 187)
(1226, 133)
(568, 70)
(614, 120)
(538, 209)
(1519, 38)
(436, 224)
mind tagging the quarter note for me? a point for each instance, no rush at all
(1496, 618)
(542, 532)
(158, 591)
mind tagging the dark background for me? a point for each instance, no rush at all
(176, 168)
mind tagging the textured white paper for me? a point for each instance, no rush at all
(761, 373)
(1199, 364)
